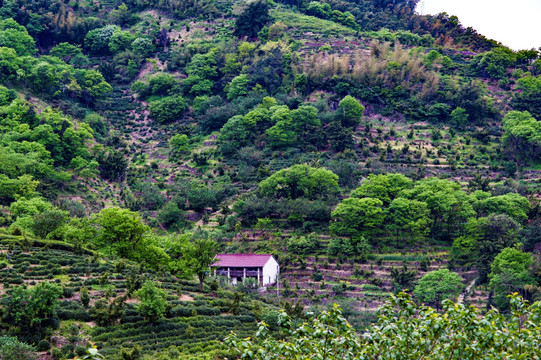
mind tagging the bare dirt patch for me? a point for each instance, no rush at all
(185, 297)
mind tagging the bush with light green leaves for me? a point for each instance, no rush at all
(404, 331)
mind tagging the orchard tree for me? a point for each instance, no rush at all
(25, 308)
(180, 143)
(199, 255)
(351, 111)
(355, 217)
(15, 36)
(407, 215)
(493, 234)
(510, 273)
(522, 136)
(168, 109)
(120, 230)
(153, 303)
(437, 286)
(238, 87)
(300, 181)
(385, 187)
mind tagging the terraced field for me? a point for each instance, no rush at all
(196, 321)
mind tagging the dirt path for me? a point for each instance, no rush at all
(460, 299)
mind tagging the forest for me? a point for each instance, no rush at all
(389, 161)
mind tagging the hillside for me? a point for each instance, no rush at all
(368, 148)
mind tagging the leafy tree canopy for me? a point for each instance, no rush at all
(300, 181)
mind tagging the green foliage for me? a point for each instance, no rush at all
(300, 181)
(514, 205)
(510, 273)
(494, 63)
(438, 285)
(351, 111)
(47, 222)
(355, 217)
(238, 87)
(120, 230)
(97, 40)
(412, 216)
(199, 255)
(153, 304)
(167, 110)
(28, 307)
(450, 334)
(252, 19)
(85, 297)
(353, 246)
(15, 36)
(464, 252)
(303, 245)
(170, 214)
(383, 187)
(142, 46)
(120, 41)
(522, 136)
(493, 234)
(13, 349)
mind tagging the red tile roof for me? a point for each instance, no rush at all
(241, 260)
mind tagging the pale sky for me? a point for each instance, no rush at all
(515, 23)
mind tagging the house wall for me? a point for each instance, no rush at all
(270, 271)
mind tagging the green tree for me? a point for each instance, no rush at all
(238, 87)
(199, 255)
(121, 16)
(66, 51)
(235, 134)
(494, 63)
(493, 233)
(97, 40)
(153, 303)
(385, 187)
(168, 109)
(510, 273)
(300, 181)
(120, 41)
(28, 307)
(170, 214)
(355, 217)
(464, 252)
(459, 117)
(450, 207)
(119, 230)
(15, 36)
(252, 19)
(351, 111)
(47, 222)
(180, 143)
(411, 216)
(142, 46)
(85, 297)
(13, 349)
(437, 286)
(511, 204)
(522, 136)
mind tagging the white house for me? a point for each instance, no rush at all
(237, 267)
